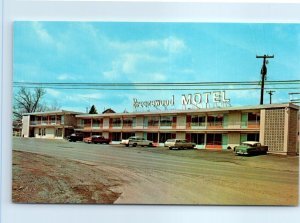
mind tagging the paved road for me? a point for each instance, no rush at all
(161, 176)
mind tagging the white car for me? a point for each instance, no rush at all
(137, 141)
(179, 144)
(169, 142)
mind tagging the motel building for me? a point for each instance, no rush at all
(274, 125)
(49, 125)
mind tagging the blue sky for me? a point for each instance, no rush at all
(119, 52)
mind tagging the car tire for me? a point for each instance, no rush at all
(134, 145)
(127, 145)
(150, 145)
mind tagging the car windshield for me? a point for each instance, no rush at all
(246, 144)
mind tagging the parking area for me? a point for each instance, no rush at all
(152, 175)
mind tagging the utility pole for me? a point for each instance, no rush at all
(270, 93)
(263, 76)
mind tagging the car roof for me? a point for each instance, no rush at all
(250, 142)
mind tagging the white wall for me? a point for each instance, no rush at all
(25, 126)
(181, 122)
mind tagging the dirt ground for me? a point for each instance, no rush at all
(45, 179)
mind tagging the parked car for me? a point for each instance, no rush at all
(96, 139)
(250, 147)
(179, 144)
(75, 137)
(136, 141)
(169, 142)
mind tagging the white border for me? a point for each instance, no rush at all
(126, 11)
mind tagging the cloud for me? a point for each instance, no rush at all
(173, 44)
(63, 77)
(41, 32)
(53, 92)
(158, 77)
(169, 44)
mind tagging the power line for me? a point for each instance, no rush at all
(161, 89)
(161, 84)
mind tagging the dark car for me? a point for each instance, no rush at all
(75, 137)
(96, 139)
(250, 147)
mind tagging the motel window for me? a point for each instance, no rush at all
(197, 138)
(87, 122)
(215, 120)
(60, 119)
(166, 120)
(97, 122)
(214, 139)
(153, 121)
(253, 137)
(52, 118)
(152, 136)
(253, 117)
(44, 120)
(116, 122)
(116, 136)
(58, 132)
(198, 120)
(165, 136)
(127, 122)
(126, 135)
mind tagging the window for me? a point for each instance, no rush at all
(40, 131)
(153, 121)
(166, 121)
(87, 122)
(59, 119)
(44, 120)
(165, 136)
(116, 122)
(152, 136)
(254, 117)
(198, 120)
(215, 120)
(58, 132)
(127, 122)
(97, 123)
(253, 137)
(126, 135)
(197, 138)
(214, 139)
(53, 119)
(116, 136)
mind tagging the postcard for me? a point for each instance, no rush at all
(156, 113)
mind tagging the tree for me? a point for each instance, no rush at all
(28, 101)
(93, 110)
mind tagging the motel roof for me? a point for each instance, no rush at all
(58, 112)
(191, 111)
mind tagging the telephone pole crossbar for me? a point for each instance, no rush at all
(270, 93)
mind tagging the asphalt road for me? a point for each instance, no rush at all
(160, 176)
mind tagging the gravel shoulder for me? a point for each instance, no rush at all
(45, 179)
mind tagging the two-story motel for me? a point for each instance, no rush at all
(274, 125)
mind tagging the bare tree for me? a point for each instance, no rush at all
(27, 101)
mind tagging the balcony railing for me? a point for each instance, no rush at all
(127, 125)
(45, 123)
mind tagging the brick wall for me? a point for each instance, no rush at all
(293, 132)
